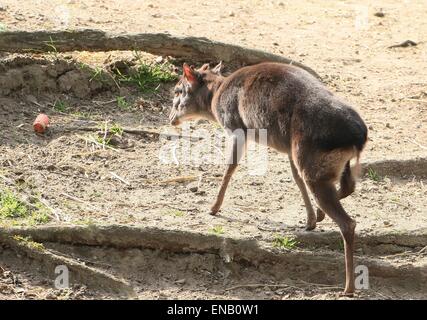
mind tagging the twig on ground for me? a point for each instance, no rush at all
(115, 175)
(321, 285)
(179, 179)
(104, 102)
(29, 157)
(137, 132)
(104, 139)
(177, 208)
(416, 100)
(405, 253)
(422, 251)
(47, 205)
(78, 200)
(6, 179)
(400, 204)
(418, 144)
(384, 296)
(93, 141)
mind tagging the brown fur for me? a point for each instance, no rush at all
(319, 132)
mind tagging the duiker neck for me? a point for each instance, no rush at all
(213, 87)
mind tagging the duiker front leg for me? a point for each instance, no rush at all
(311, 216)
(238, 143)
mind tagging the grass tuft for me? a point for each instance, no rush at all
(284, 242)
(149, 76)
(373, 175)
(122, 103)
(60, 106)
(15, 212)
(217, 230)
(116, 129)
(29, 243)
(11, 207)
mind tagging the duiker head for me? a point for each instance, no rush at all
(193, 93)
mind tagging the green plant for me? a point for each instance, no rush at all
(98, 74)
(60, 106)
(373, 175)
(86, 222)
(14, 211)
(40, 215)
(52, 48)
(174, 212)
(116, 129)
(105, 139)
(148, 76)
(217, 230)
(96, 194)
(2, 28)
(81, 114)
(122, 103)
(83, 66)
(11, 207)
(29, 243)
(284, 242)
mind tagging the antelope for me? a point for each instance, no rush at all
(319, 132)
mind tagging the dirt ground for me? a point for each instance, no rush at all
(344, 41)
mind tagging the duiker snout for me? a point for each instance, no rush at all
(173, 117)
(175, 110)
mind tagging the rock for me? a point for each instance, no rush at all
(193, 189)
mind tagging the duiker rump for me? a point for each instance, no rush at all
(319, 132)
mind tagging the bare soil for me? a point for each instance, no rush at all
(78, 179)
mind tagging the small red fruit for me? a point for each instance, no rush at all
(41, 123)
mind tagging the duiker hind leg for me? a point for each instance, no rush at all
(327, 198)
(311, 216)
(237, 143)
(347, 187)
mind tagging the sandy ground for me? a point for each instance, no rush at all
(343, 41)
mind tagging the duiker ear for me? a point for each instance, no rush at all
(218, 68)
(189, 74)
